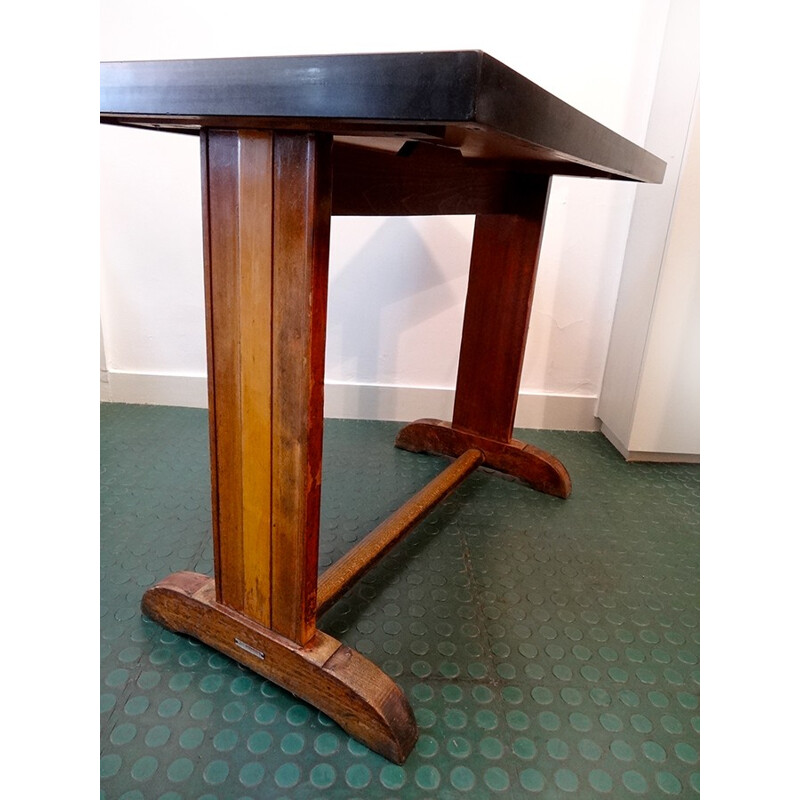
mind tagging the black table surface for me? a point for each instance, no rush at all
(463, 100)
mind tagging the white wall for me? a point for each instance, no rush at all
(397, 286)
(667, 415)
(650, 399)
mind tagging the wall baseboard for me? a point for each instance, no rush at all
(359, 401)
(404, 403)
(154, 390)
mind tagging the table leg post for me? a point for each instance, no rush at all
(267, 205)
(268, 216)
(502, 276)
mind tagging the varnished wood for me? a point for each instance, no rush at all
(237, 189)
(339, 681)
(502, 273)
(339, 577)
(223, 320)
(300, 263)
(267, 201)
(536, 467)
(423, 178)
(255, 370)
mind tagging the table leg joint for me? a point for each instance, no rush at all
(536, 467)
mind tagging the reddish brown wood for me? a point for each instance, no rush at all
(255, 370)
(339, 577)
(502, 273)
(423, 178)
(266, 200)
(222, 267)
(339, 681)
(505, 252)
(301, 213)
(536, 467)
(267, 208)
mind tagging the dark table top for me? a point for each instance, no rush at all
(464, 100)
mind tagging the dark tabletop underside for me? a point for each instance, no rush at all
(463, 100)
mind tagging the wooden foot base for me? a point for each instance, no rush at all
(338, 681)
(524, 461)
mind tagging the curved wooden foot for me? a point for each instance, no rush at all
(339, 681)
(524, 461)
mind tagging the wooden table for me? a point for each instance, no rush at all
(285, 143)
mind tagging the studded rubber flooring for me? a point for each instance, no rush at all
(548, 648)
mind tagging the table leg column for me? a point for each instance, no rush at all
(267, 202)
(267, 233)
(502, 276)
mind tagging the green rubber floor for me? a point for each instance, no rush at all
(549, 648)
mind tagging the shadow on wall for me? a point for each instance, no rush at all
(396, 286)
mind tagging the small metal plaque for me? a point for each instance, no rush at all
(248, 649)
